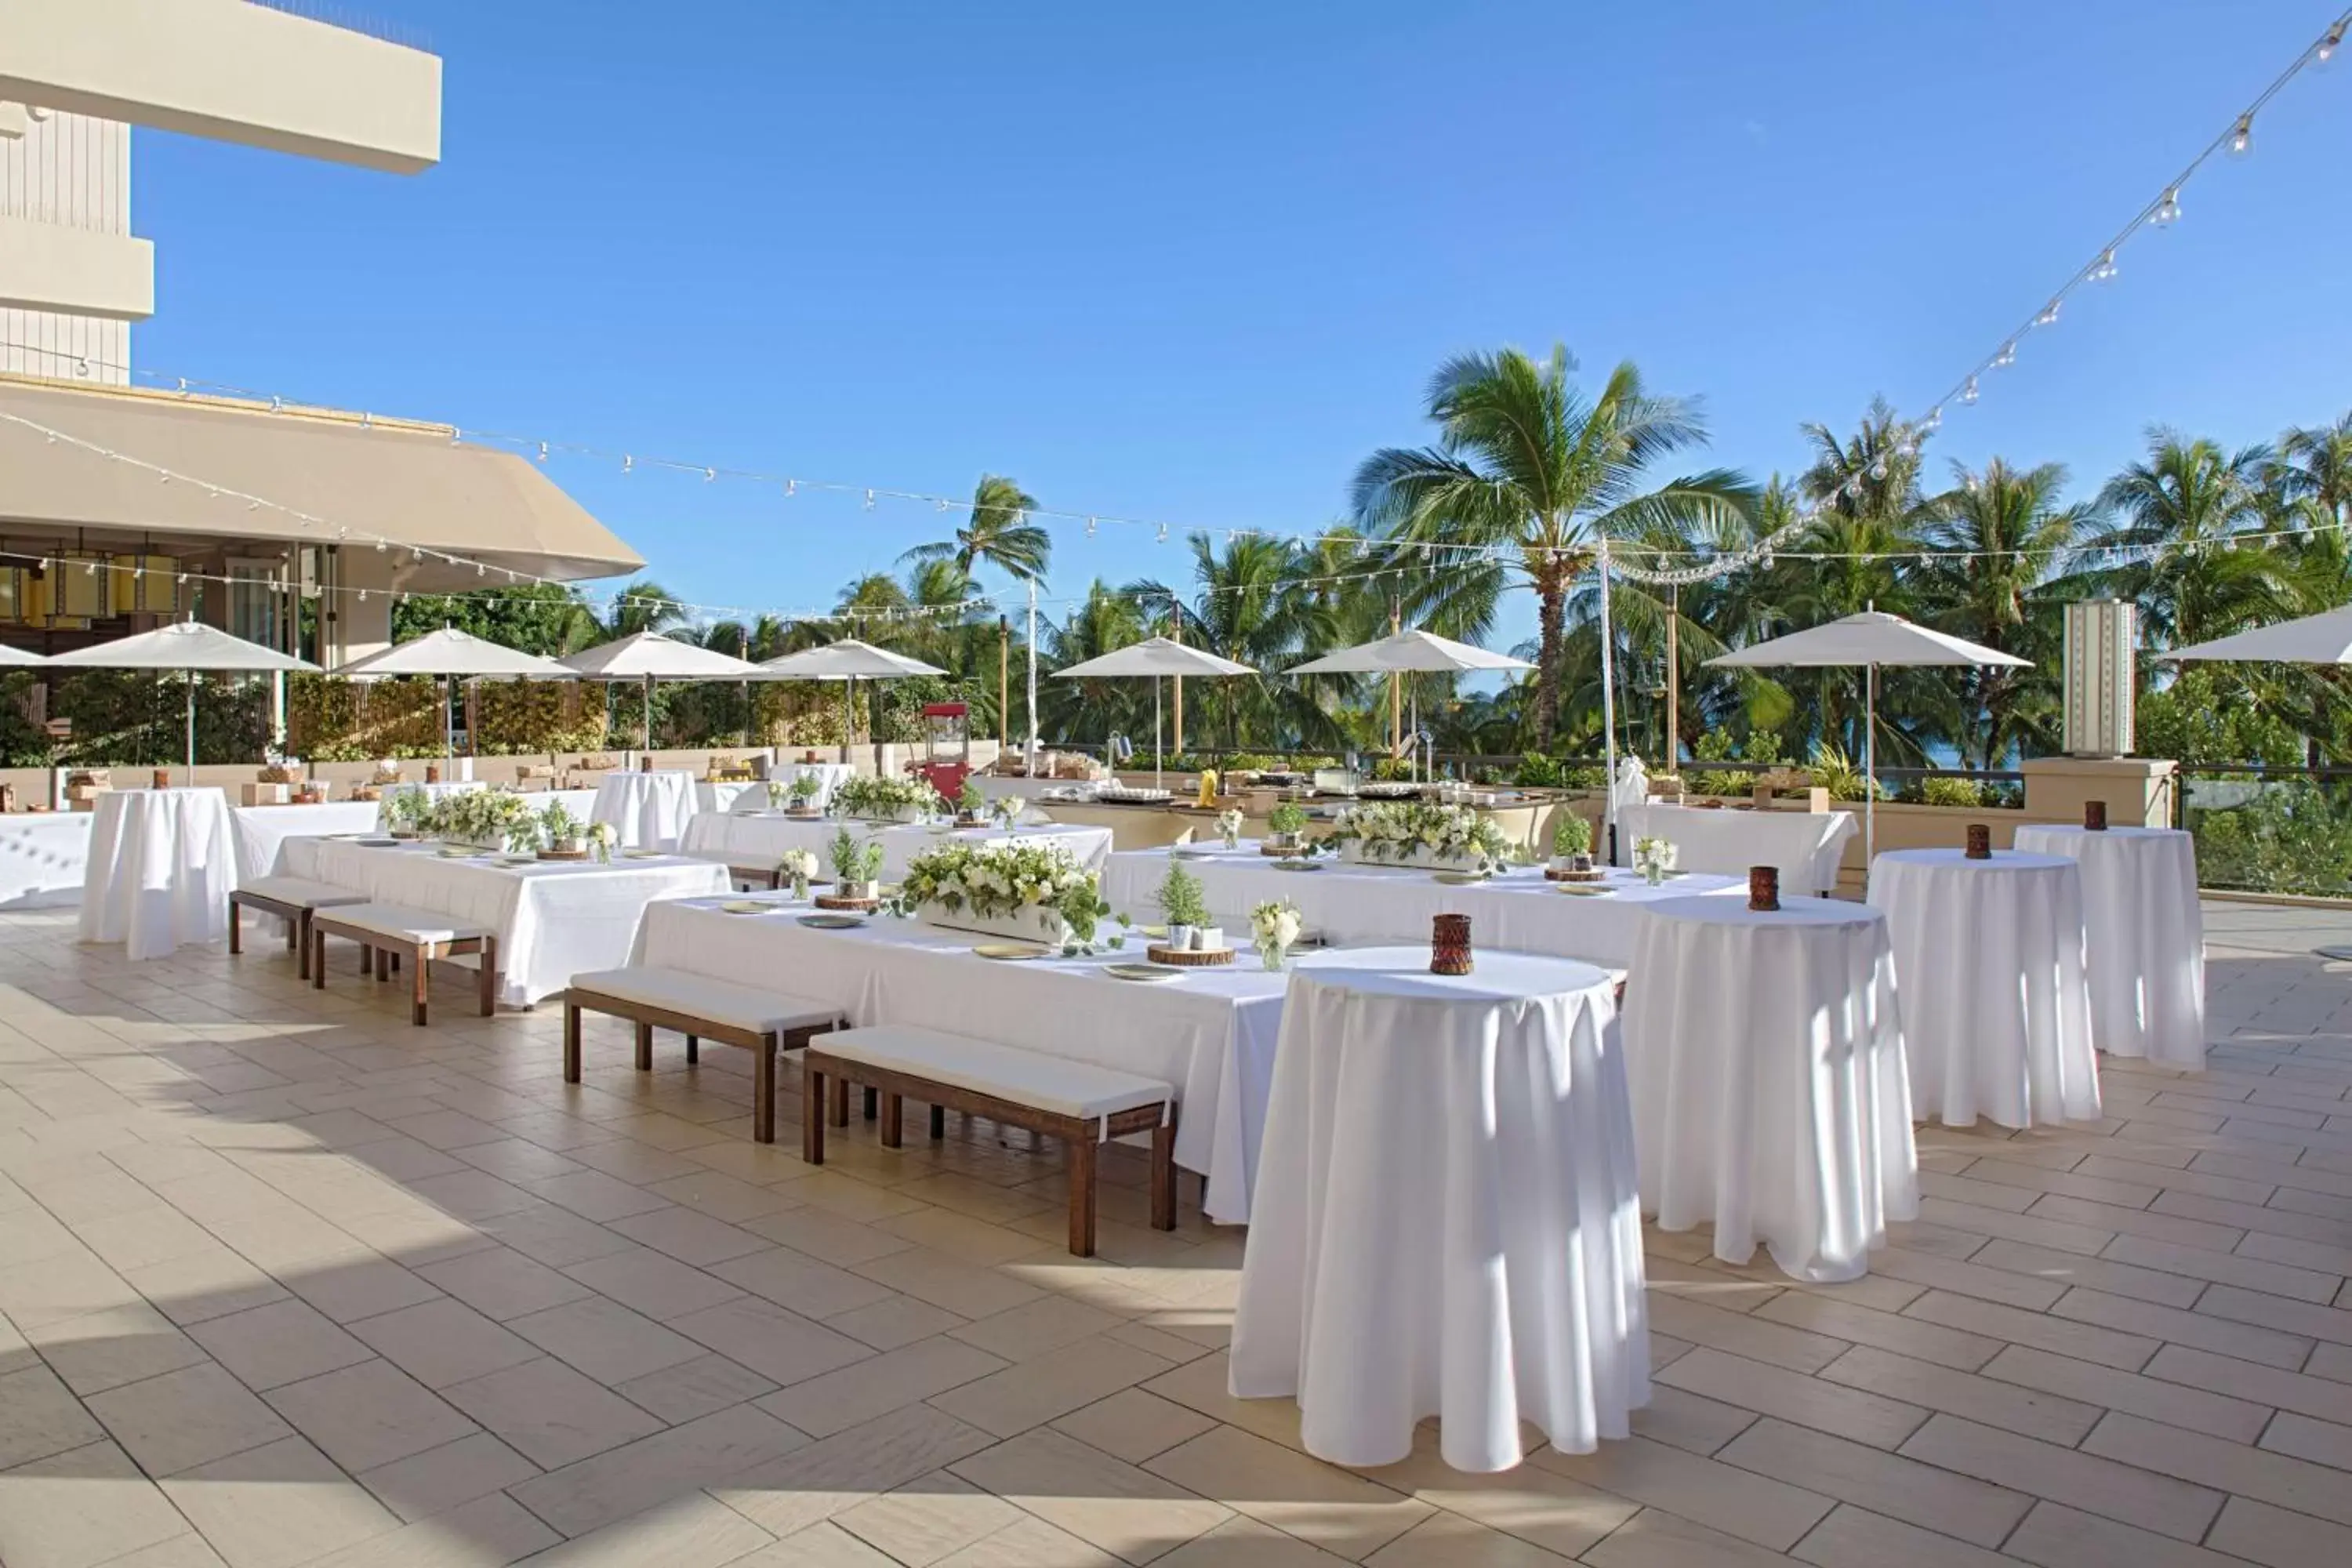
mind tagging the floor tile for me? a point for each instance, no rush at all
(283, 1342)
(1343, 1513)
(788, 1495)
(1754, 1508)
(1887, 1484)
(439, 1479)
(369, 1414)
(858, 1393)
(927, 1520)
(658, 1286)
(550, 1414)
(81, 1508)
(1133, 1425)
(605, 1340)
(278, 1506)
(621, 1481)
(771, 1341)
(692, 1388)
(1035, 1392)
(186, 1418)
(489, 1530)
(99, 1350)
(1128, 1512)
(501, 1283)
(444, 1341)
(2077, 1479)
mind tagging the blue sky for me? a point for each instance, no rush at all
(1194, 262)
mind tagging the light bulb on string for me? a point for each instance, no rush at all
(1879, 469)
(2049, 316)
(1090, 528)
(2105, 267)
(2241, 136)
(869, 500)
(708, 475)
(1163, 534)
(2328, 44)
(628, 463)
(542, 451)
(2008, 355)
(2167, 211)
(1968, 392)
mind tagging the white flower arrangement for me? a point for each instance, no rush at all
(603, 835)
(1229, 827)
(798, 866)
(1275, 925)
(1028, 878)
(1653, 858)
(888, 799)
(405, 811)
(492, 818)
(1413, 830)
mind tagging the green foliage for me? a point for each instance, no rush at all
(856, 859)
(1840, 774)
(1572, 832)
(2207, 718)
(542, 618)
(123, 718)
(1181, 901)
(1942, 791)
(1288, 816)
(2289, 839)
(1536, 771)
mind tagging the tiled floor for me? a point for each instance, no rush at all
(288, 1283)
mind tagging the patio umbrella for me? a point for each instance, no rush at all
(845, 661)
(16, 657)
(2322, 638)
(1409, 652)
(187, 647)
(453, 656)
(1871, 639)
(1154, 656)
(650, 657)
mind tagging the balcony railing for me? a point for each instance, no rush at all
(2270, 830)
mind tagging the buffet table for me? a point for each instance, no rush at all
(1445, 1220)
(160, 871)
(2144, 938)
(1517, 910)
(44, 856)
(554, 918)
(763, 839)
(1806, 846)
(1768, 1081)
(1210, 1032)
(649, 810)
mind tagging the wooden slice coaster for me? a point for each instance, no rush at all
(1188, 958)
(836, 902)
(563, 853)
(1595, 875)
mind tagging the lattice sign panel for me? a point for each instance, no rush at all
(2101, 639)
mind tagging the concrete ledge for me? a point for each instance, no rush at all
(75, 272)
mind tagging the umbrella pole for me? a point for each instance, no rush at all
(1869, 771)
(1416, 733)
(449, 725)
(192, 725)
(1155, 732)
(645, 729)
(1607, 715)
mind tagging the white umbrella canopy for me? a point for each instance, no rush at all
(846, 660)
(1870, 640)
(1409, 652)
(1153, 657)
(2322, 638)
(650, 657)
(453, 655)
(186, 645)
(17, 658)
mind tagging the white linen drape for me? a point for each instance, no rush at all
(2143, 935)
(161, 867)
(649, 810)
(1805, 847)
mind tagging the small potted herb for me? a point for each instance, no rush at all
(1571, 840)
(856, 865)
(804, 790)
(1286, 824)
(1183, 906)
(563, 834)
(971, 802)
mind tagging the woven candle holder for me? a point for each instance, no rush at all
(2094, 816)
(1449, 944)
(1980, 841)
(1764, 888)
(645, 764)
(433, 772)
(163, 778)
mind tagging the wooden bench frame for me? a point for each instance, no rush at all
(826, 1080)
(647, 1017)
(378, 951)
(296, 916)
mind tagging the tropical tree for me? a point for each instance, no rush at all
(1528, 477)
(545, 618)
(1092, 710)
(1251, 606)
(997, 531)
(2173, 519)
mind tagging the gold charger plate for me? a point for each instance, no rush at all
(833, 921)
(1298, 865)
(1141, 971)
(1012, 952)
(1462, 878)
(746, 906)
(641, 854)
(1586, 891)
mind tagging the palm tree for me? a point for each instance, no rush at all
(1529, 477)
(1091, 710)
(2313, 473)
(1252, 609)
(643, 606)
(2175, 516)
(997, 531)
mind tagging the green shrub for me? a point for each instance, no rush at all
(1536, 771)
(1940, 791)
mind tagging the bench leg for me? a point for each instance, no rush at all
(938, 1122)
(487, 978)
(571, 1042)
(1163, 1176)
(294, 924)
(298, 928)
(417, 983)
(318, 960)
(645, 1048)
(890, 1114)
(693, 1050)
(367, 959)
(382, 965)
(812, 1088)
(873, 1104)
(1082, 1196)
(763, 1090)
(235, 934)
(836, 1100)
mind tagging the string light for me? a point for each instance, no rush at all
(2241, 137)
(2167, 211)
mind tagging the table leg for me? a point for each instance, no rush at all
(763, 1090)
(812, 1091)
(424, 966)
(938, 1122)
(693, 1050)
(890, 1113)
(299, 926)
(1082, 1196)
(1163, 1176)
(318, 960)
(235, 931)
(488, 978)
(570, 1041)
(645, 1048)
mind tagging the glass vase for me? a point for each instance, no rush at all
(1272, 956)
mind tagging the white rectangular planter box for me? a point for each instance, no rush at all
(1417, 859)
(899, 814)
(1031, 924)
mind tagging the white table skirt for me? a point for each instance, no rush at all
(1518, 911)
(553, 919)
(1770, 1093)
(730, 794)
(1806, 845)
(1210, 1034)
(763, 839)
(829, 777)
(1996, 1006)
(1445, 1220)
(2144, 938)
(44, 856)
(161, 870)
(650, 811)
(257, 830)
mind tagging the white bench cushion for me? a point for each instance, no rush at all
(301, 893)
(1053, 1084)
(403, 924)
(699, 996)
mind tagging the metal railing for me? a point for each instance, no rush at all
(2270, 829)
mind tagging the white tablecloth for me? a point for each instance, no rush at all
(730, 795)
(650, 810)
(1349, 903)
(1445, 1221)
(257, 830)
(44, 856)
(762, 840)
(1996, 1008)
(160, 871)
(1210, 1034)
(830, 776)
(1806, 845)
(2144, 938)
(553, 919)
(1769, 1081)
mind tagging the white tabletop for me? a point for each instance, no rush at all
(1807, 847)
(1518, 909)
(554, 918)
(44, 859)
(1210, 1032)
(2145, 938)
(1996, 1008)
(1448, 1161)
(649, 810)
(1769, 1089)
(160, 871)
(764, 836)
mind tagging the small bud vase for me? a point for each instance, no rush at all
(1273, 955)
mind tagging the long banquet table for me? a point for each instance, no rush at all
(554, 918)
(1517, 910)
(763, 836)
(1807, 847)
(1210, 1032)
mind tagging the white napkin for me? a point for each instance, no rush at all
(1182, 838)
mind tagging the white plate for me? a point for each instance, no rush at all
(831, 919)
(1142, 972)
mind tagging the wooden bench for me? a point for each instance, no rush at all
(1078, 1102)
(292, 899)
(384, 929)
(761, 1022)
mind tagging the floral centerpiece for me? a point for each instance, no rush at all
(1006, 811)
(972, 802)
(1229, 827)
(776, 792)
(856, 865)
(798, 867)
(1286, 824)
(603, 835)
(887, 799)
(561, 833)
(1032, 889)
(804, 791)
(405, 812)
(1275, 925)
(1653, 858)
(1571, 840)
(490, 818)
(1412, 833)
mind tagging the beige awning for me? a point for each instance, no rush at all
(411, 483)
